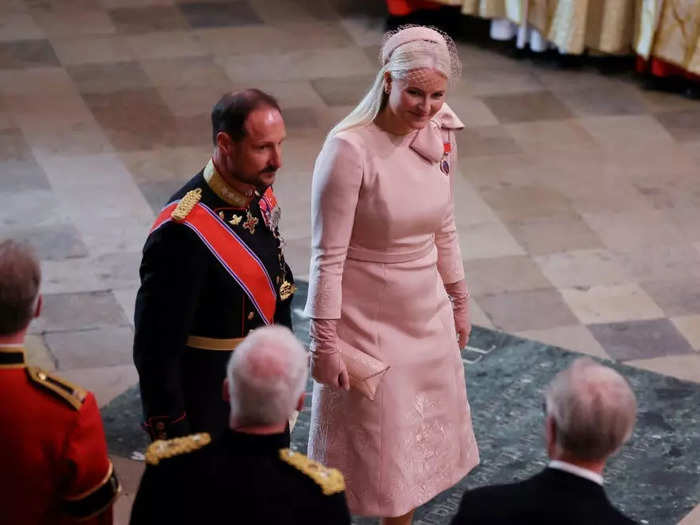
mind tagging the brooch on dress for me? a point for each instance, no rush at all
(444, 164)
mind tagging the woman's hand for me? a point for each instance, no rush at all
(327, 365)
(460, 309)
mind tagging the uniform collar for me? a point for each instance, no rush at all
(576, 471)
(256, 444)
(429, 141)
(224, 191)
(11, 356)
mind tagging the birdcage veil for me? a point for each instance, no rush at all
(408, 53)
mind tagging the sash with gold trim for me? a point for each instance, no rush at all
(234, 255)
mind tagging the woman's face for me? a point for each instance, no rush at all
(414, 100)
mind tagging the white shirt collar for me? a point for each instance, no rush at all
(576, 470)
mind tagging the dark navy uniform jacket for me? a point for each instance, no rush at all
(237, 478)
(186, 291)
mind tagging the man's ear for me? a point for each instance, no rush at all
(39, 304)
(225, 394)
(223, 141)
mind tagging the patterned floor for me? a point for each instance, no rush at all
(578, 203)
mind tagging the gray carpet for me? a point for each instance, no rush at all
(655, 479)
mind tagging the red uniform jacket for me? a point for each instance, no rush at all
(53, 454)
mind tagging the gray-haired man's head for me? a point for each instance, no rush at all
(592, 408)
(266, 376)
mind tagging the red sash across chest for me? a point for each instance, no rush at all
(234, 255)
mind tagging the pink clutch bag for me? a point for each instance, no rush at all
(365, 371)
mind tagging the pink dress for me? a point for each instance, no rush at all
(384, 241)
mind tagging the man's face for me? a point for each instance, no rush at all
(256, 158)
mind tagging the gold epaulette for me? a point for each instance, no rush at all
(72, 394)
(329, 479)
(184, 207)
(164, 449)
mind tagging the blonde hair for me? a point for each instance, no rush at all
(408, 49)
(20, 276)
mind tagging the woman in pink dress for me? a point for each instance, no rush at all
(386, 278)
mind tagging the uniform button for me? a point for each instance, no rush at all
(160, 425)
(251, 315)
(42, 376)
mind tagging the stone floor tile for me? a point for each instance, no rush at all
(113, 4)
(191, 101)
(69, 276)
(581, 268)
(20, 54)
(276, 12)
(660, 101)
(477, 316)
(129, 473)
(689, 326)
(74, 22)
(54, 241)
(165, 164)
(527, 202)
(676, 295)
(683, 125)
(23, 175)
(566, 80)
(611, 303)
(109, 77)
(487, 239)
(126, 298)
(599, 100)
(575, 337)
(102, 347)
(492, 82)
(660, 262)
(316, 63)
(36, 353)
(19, 26)
(471, 110)
(28, 208)
(148, 19)
(527, 310)
(297, 253)
(623, 231)
(498, 275)
(684, 367)
(527, 107)
(197, 71)
(627, 132)
(295, 93)
(640, 339)
(486, 140)
(166, 44)
(105, 382)
(132, 119)
(469, 206)
(245, 40)
(217, 14)
(342, 91)
(78, 311)
(94, 49)
(302, 119)
(557, 233)
(542, 137)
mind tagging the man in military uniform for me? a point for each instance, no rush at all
(246, 475)
(55, 468)
(212, 270)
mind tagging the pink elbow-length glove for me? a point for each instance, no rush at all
(460, 308)
(327, 365)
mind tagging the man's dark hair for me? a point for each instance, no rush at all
(231, 111)
(20, 276)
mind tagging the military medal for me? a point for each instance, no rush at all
(250, 222)
(444, 164)
(235, 220)
(270, 211)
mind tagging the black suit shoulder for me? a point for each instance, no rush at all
(548, 498)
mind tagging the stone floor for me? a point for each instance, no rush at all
(578, 200)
